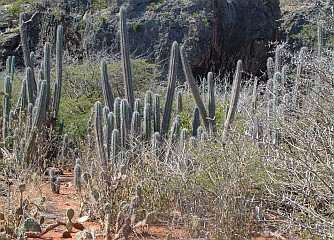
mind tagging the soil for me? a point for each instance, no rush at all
(55, 206)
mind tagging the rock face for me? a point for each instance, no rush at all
(216, 33)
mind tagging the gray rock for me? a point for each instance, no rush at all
(216, 33)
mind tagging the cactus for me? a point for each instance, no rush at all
(98, 132)
(10, 66)
(192, 141)
(110, 123)
(184, 135)
(31, 91)
(285, 70)
(137, 106)
(200, 130)
(24, 42)
(195, 122)
(170, 89)
(148, 98)
(234, 100)
(278, 58)
(70, 215)
(59, 69)
(192, 83)
(179, 102)
(277, 88)
(53, 180)
(64, 147)
(117, 112)
(270, 68)
(47, 72)
(40, 116)
(204, 137)
(125, 52)
(254, 95)
(106, 87)
(115, 145)
(135, 124)
(296, 99)
(6, 106)
(156, 143)
(211, 107)
(77, 174)
(125, 113)
(147, 122)
(156, 113)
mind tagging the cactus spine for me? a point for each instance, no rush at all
(234, 100)
(125, 51)
(171, 88)
(194, 89)
(106, 87)
(211, 107)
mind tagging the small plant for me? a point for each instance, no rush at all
(137, 27)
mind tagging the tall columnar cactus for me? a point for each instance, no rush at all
(193, 86)
(212, 106)
(270, 68)
(184, 135)
(125, 51)
(125, 113)
(156, 113)
(6, 106)
(40, 115)
(31, 91)
(117, 112)
(234, 100)
(47, 73)
(59, 68)
(99, 132)
(23, 100)
(106, 87)
(254, 95)
(192, 141)
(109, 127)
(135, 124)
(10, 66)
(156, 144)
(147, 122)
(123, 131)
(77, 175)
(137, 106)
(296, 99)
(285, 70)
(115, 145)
(170, 89)
(148, 98)
(179, 102)
(195, 122)
(277, 88)
(64, 148)
(24, 41)
(278, 58)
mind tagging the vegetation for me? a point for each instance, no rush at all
(232, 160)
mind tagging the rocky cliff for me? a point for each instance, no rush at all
(216, 32)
